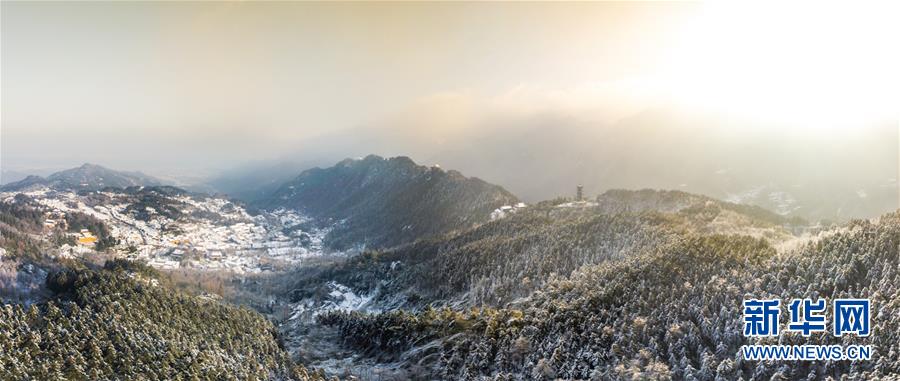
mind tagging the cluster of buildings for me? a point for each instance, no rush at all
(246, 246)
(86, 238)
(211, 233)
(578, 202)
(55, 219)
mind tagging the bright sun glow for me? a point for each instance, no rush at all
(808, 65)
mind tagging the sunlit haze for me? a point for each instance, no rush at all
(807, 65)
(450, 190)
(188, 90)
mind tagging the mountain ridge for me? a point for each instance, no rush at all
(508, 258)
(85, 177)
(387, 201)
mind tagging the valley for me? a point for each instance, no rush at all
(364, 272)
(449, 191)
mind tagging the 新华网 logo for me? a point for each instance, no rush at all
(762, 318)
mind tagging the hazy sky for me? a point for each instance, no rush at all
(196, 87)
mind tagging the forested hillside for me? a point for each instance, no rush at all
(24, 241)
(670, 312)
(63, 318)
(19, 222)
(500, 261)
(621, 200)
(119, 323)
(632, 285)
(494, 263)
(377, 202)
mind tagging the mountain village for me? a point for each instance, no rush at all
(213, 234)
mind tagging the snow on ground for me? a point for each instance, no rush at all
(211, 234)
(506, 210)
(340, 298)
(578, 204)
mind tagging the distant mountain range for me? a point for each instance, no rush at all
(371, 202)
(381, 202)
(86, 177)
(791, 171)
(10, 175)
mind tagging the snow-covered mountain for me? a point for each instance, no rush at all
(172, 228)
(382, 202)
